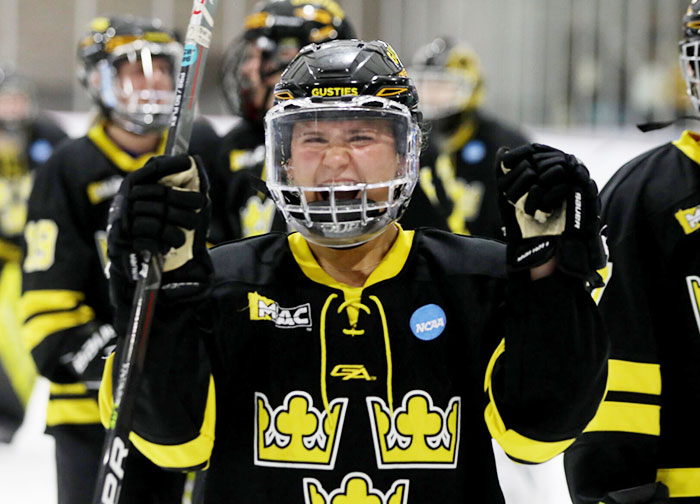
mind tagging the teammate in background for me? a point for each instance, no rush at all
(128, 66)
(643, 445)
(351, 360)
(461, 183)
(253, 63)
(26, 141)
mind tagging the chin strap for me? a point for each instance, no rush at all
(656, 125)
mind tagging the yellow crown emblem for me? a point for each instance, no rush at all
(416, 435)
(296, 434)
(356, 488)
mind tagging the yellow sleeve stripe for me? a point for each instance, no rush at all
(682, 482)
(626, 417)
(193, 453)
(514, 444)
(40, 301)
(638, 377)
(72, 411)
(41, 326)
(69, 388)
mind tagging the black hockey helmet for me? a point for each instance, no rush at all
(448, 76)
(690, 53)
(18, 102)
(274, 33)
(111, 41)
(355, 84)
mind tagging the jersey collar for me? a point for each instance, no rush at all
(392, 263)
(688, 145)
(123, 160)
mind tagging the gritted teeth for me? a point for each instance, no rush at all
(340, 195)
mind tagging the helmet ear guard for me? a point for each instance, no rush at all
(344, 81)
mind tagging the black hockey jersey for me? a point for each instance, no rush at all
(241, 208)
(382, 393)
(462, 182)
(646, 429)
(66, 309)
(16, 172)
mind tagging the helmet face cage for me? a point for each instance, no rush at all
(132, 78)
(443, 92)
(690, 67)
(340, 212)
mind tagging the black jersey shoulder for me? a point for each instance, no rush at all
(244, 135)
(204, 142)
(451, 254)
(498, 133)
(257, 260)
(648, 185)
(45, 128)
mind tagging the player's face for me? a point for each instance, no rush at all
(343, 152)
(154, 74)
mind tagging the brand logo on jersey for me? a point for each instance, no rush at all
(689, 219)
(296, 434)
(262, 308)
(356, 488)
(257, 216)
(40, 150)
(428, 322)
(416, 435)
(352, 372)
(239, 159)
(335, 91)
(474, 152)
(104, 189)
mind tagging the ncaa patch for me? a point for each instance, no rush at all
(474, 152)
(40, 150)
(428, 322)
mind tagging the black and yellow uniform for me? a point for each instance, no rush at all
(646, 429)
(462, 184)
(21, 151)
(387, 393)
(241, 208)
(66, 310)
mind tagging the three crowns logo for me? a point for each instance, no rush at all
(416, 435)
(356, 488)
(296, 434)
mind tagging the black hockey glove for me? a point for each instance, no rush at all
(652, 493)
(550, 208)
(162, 207)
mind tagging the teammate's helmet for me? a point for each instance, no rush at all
(342, 142)
(128, 65)
(18, 104)
(448, 77)
(690, 52)
(274, 33)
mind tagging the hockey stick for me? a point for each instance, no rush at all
(116, 445)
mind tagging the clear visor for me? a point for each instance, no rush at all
(442, 93)
(690, 67)
(341, 171)
(137, 82)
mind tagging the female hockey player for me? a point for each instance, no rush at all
(642, 447)
(354, 361)
(128, 66)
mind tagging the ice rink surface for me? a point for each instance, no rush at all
(27, 474)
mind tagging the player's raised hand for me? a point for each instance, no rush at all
(550, 208)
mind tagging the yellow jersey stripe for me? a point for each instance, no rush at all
(41, 326)
(514, 444)
(638, 377)
(626, 417)
(72, 411)
(67, 388)
(681, 482)
(194, 453)
(40, 301)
